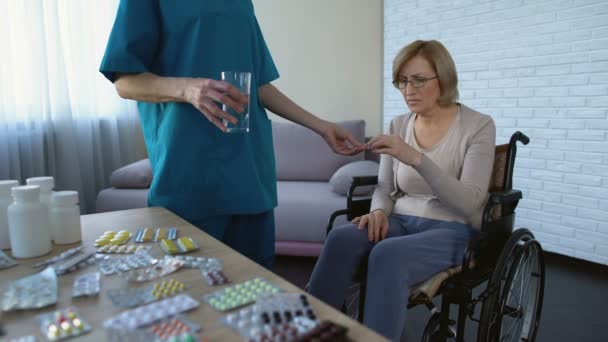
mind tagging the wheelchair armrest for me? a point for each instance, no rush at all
(357, 182)
(505, 197)
(498, 198)
(332, 218)
(365, 180)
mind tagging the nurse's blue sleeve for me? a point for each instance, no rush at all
(267, 70)
(133, 43)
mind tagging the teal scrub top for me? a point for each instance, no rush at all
(198, 170)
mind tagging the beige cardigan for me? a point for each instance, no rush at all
(451, 183)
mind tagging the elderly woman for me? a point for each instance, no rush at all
(433, 182)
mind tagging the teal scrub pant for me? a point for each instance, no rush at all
(251, 235)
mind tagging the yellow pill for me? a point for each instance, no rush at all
(65, 326)
(186, 243)
(169, 246)
(101, 242)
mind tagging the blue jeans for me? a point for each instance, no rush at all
(251, 235)
(415, 249)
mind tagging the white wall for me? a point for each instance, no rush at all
(539, 66)
(329, 55)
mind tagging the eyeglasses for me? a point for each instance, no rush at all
(417, 82)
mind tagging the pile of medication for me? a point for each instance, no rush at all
(62, 324)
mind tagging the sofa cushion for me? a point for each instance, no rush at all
(137, 175)
(113, 199)
(303, 210)
(302, 155)
(341, 180)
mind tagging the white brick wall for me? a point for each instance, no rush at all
(539, 66)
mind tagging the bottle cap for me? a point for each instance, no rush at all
(26, 193)
(6, 186)
(46, 183)
(64, 198)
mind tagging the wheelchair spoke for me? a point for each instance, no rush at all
(519, 311)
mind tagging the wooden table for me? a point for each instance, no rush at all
(97, 309)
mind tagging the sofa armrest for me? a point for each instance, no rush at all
(137, 175)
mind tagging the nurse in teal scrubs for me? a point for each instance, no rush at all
(168, 55)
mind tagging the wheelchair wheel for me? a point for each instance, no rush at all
(351, 303)
(511, 311)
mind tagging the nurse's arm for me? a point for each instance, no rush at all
(339, 139)
(202, 93)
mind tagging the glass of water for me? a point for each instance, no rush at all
(242, 81)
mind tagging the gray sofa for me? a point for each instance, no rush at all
(311, 184)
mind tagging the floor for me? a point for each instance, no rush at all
(574, 309)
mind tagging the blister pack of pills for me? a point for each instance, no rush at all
(176, 329)
(240, 294)
(325, 331)
(27, 338)
(76, 262)
(32, 292)
(173, 329)
(112, 264)
(6, 261)
(215, 277)
(281, 315)
(123, 249)
(148, 314)
(62, 324)
(86, 285)
(185, 244)
(155, 235)
(136, 296)
(63, 256)
(113, 238)
(165, 266)
(202, 263)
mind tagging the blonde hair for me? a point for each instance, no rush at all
(441, 61)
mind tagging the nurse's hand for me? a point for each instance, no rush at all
(340, 140)
(377, 225)
(205, 93)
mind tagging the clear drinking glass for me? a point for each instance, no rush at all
(242, 81)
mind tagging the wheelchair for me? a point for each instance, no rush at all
(508, 263)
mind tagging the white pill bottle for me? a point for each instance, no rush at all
(5, 200)
(64, 216)
(28, 223)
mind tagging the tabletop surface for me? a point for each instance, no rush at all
(97, 309)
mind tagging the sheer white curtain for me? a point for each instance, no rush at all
(58, 115)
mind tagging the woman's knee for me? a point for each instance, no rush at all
(386, 254)
(346, 234)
